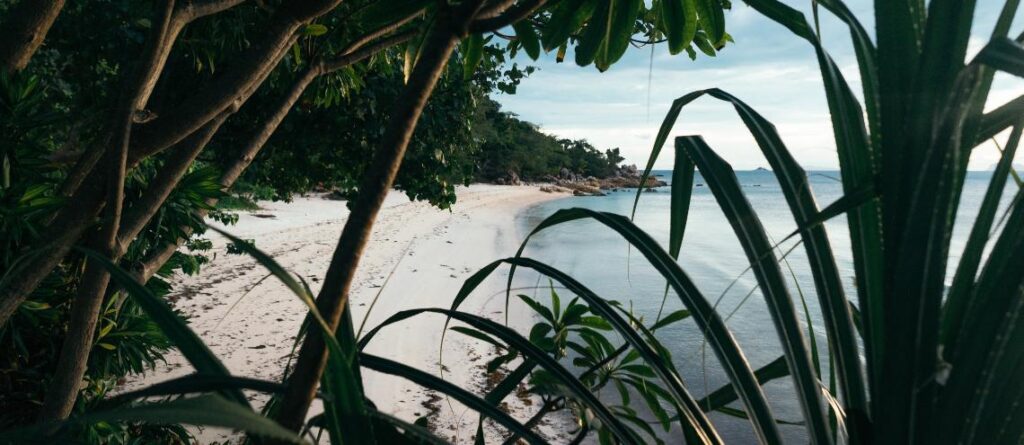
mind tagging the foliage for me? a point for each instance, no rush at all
(511, 145)
(331, 140)
(64, 111)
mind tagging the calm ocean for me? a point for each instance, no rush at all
(713, 258)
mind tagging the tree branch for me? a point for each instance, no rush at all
(512, 15)
(354, 56)
(229, 89)
(24, 31)
(379, 32)
(233, 170)
(166, 179)
(85, 186)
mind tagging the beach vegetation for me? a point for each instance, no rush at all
(125, 124)
(913, 357)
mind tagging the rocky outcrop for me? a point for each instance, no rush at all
(626, 177)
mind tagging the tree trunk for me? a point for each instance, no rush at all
(331, 301)
(74, 354)
(24, 30)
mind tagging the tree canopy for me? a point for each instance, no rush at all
(125, 122)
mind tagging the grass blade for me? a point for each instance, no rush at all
(724, 185)
(727, 394)
(346, 410)
(665, 371)
(191, 346)
(529, 351)
(859, 160)
(467, 398)
(710, 323)
(970, 261)
(682, 190)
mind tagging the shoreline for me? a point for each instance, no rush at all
(418, 256)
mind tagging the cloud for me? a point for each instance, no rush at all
(769, 68)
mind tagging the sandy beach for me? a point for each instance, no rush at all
(419, 256)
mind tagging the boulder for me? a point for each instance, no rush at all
(513, 178)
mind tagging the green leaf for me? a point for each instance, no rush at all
(594, 35)
(680, 17)
(681, 314)
(527, 37)
(567, 17)
(959, 294)
(477, 335)
(1005, 55)
(539, 333)
(346, 409)
(540, 309)
(999, 119)
(620, 29)
(412, 432)
(383, 12)
(859, 162)
(472, 54)
(197, 383)
(314, 29)
(682, 190)
(703, 45)
(596, 323)
(725, 395)
(712, 19)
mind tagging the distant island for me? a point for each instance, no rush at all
(513, 151)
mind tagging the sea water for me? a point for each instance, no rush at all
(713, 258)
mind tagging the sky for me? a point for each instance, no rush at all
(768, 67)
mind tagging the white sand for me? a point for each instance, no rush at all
(429, 254)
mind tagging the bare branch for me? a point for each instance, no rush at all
(352, 57)
(380, 32)
(166, 179)
(229, 90)
(234, 169)
(512, 15)
(201, 8)
(24, 31)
